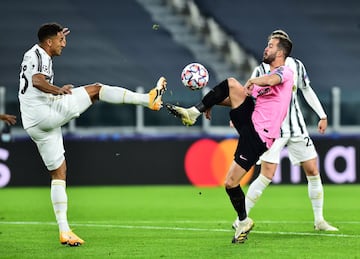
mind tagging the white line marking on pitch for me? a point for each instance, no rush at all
(327, 234)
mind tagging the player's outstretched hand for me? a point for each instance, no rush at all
(66, 31)
(207, 114)
(9, 119)
(322, 125)
(66, 89)
(248, 88)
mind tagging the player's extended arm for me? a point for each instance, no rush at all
(265, 80)
(66, 32)
(9, 119)
(40, 83)
(313, 101)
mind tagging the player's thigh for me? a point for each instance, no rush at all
(272, 155)
(250, 147)
(237, 92)
(50, 145)
(66, 107)
(82, 99)
(301, 149)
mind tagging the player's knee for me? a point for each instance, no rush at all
(227, 185)
(268, 170)
(93, 91)
(312, 172)
(310, 167)
(230, 183)
(236, 90)
(96, 86)
(60, 172)
(232, 82)
(269, 174)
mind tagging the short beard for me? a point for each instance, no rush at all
(269, 59)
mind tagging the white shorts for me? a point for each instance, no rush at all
(48, 135)
(300, 149)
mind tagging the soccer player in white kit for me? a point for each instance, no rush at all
(46, 107)
(295, 136)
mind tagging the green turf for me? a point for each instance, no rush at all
(177, 222)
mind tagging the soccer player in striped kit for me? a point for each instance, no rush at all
(295, 136)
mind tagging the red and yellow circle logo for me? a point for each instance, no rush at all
(207, 162)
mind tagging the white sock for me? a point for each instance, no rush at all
(194, 110)
(59, 202)
(255, 190)
(316, 195)
(119, 95)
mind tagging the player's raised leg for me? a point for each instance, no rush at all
(155, 95)
(188, 116)
(120, 95)
(215, 96)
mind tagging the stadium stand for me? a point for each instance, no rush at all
(326, 35)
(115, 43)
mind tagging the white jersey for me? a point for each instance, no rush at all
(294, 124)
(33, 102)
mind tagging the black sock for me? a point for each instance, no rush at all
(201, 107)
(237, 198)
(216, 95)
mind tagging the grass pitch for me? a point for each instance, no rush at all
(177, 222)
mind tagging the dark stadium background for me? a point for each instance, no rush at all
(114, 42)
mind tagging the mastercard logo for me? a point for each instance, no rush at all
(207, 162)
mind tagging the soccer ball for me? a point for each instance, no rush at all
(195, 76)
